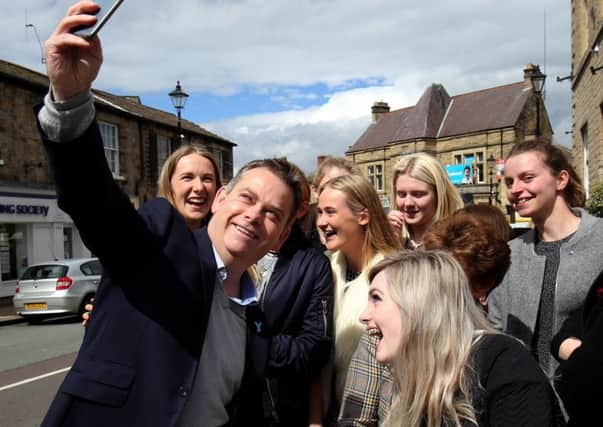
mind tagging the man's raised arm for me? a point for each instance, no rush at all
(72, 63)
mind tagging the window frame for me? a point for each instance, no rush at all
(374, 173)
(162, 154)
(113, 162)
(478, 163)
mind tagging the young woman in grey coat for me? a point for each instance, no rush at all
(554, 264)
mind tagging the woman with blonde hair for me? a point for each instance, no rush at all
(478, 245)
(330, 167)
(423, 194)
(357, 235)
(450, 367)
(189, 180)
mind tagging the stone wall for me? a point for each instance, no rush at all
(21, 154)
(587, 90)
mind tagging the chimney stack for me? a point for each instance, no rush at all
(378, 109)
(528, 72)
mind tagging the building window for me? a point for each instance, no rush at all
(164, 149)
(375, 176)
(585, 154)
(8, 258)
(67, 242)
(111, 145)
(474, 159)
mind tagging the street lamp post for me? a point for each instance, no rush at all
(491, 161)
(179, 97)
(537, 79)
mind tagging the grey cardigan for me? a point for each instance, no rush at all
(513, 306)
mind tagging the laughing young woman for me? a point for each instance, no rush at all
(423, 195)
(554, 264)
(357, 235)
(189, 179)
(475, 236)
(450, 368)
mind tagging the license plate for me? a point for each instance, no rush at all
(36, 306)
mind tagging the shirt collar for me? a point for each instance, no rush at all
(248, 291)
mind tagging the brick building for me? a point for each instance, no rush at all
(458, 130)
(587, 90)
(137, 140)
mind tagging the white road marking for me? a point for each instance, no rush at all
(39, 377)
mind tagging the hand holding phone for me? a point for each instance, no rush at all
(107, 8)
(73, 62)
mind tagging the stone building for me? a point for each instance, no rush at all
(137, 140)
(463, 129)
(587, 90)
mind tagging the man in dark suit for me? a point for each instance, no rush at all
(167, 344)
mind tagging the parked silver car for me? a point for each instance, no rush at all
(56, 287)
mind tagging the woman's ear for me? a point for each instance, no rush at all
(562, 180)
(363, 217)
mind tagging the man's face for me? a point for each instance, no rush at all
(252, 219)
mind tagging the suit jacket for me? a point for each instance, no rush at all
(139, 356)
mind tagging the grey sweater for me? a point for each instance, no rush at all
(513, 306)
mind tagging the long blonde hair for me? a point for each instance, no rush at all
(428, 169)
(433, 376)
(379, 237)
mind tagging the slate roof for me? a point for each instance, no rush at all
(438, 115)
(125, 104)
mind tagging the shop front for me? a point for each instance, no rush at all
(33, 229)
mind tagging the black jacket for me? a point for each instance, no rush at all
(580, 378)
(297, 306)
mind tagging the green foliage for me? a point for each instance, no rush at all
(594, 204)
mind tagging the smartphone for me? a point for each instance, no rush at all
(107, 8)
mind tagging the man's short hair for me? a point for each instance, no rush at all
(283, 169)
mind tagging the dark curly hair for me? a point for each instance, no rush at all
(482, 252)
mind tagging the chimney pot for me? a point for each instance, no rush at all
(378, 109)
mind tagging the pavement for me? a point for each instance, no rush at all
(7, 312)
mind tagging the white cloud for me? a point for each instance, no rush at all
(332, 127)
(398, 46)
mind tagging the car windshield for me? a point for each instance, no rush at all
(44, 272)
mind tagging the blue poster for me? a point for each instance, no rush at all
(460, 174)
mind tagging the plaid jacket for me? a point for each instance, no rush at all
(368, 388)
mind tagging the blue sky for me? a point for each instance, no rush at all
(250, 100)
(299, 78)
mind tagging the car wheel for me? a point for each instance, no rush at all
(87, 300)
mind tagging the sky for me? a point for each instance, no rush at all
(298, 78)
